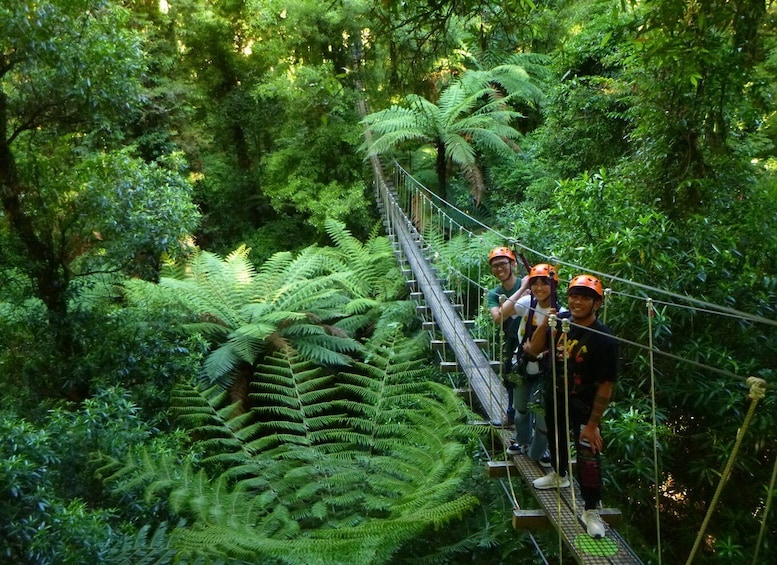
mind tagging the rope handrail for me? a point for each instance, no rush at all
(715, 308)
(417, 216)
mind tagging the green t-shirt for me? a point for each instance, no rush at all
(511, 324)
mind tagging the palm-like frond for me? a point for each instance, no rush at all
(215, 287)
(522, 76)
(471, 113)
(147, 547)
(309, 303)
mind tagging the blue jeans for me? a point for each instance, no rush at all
(530, 427)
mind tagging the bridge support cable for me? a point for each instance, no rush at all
(757, 392)
(469, 356)
(654, 419)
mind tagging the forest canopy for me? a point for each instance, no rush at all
(208, 352)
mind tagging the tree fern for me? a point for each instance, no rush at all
(291, 302)
(328, 467)
(466, 111)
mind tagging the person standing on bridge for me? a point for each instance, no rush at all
(502, 262)
(531, 433)
(585, 368)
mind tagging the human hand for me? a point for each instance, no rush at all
(590, 434)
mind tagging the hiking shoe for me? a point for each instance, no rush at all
(593, 523)
(545, 461)
(517, 449)
(551, 480)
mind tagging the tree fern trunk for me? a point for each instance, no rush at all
(442, 170)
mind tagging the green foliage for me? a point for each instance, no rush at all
(67, 62)
(111, 211)
(630, 441)
(137, 211)
(314, 169)
(51, 505)
(130, 336)
(74, 197)
(326, 467)
(313, 303)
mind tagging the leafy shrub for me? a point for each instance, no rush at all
(37, 523)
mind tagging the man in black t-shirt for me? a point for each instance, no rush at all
(583, 370)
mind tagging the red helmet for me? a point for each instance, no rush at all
(543, 270)
(501, 252)
(586, 284)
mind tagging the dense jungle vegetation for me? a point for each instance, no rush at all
(208, 354)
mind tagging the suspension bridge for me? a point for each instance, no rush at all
(449, 302)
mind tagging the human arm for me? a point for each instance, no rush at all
(590, 432)
(507, 306)
(539, 339)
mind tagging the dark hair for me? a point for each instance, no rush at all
(541, 278)
(585, 291)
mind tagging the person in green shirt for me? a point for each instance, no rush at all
(502, 262)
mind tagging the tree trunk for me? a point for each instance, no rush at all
(441, 166)
(48, 271)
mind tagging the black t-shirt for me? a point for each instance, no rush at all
(592, 357)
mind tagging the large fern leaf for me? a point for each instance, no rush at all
(328, 467)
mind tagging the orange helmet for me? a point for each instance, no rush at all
(543, 270)
(501, 252)
(586, 284)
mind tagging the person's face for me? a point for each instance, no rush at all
(581, 305)
(540, 287)
(502, 268)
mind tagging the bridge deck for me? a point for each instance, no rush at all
(562, 508)
(559, 508)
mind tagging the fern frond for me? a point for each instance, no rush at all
(146, 547)
(326, 467)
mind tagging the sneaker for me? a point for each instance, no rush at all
(551, 480)
(545, 461)
(593, 523)
(517, 449)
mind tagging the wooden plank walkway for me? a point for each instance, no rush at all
(558, 508)
(562, 508)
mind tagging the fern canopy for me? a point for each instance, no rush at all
(327, 467)
(312, 304)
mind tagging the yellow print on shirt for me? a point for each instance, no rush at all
(566, 353)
